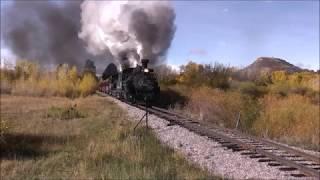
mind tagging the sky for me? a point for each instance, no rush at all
(236, 33)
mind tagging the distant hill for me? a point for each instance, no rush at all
(266, 65)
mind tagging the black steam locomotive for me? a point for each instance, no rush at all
(136, 85)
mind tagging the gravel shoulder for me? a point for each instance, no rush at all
(205, 152)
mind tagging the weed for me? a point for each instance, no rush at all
(65, 113)
(251, 89)
(293, 119)
(101, 145)
(4, 127)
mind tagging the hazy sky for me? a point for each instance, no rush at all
(237, 32)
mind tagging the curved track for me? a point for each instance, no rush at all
(288, 159)
(285, 158)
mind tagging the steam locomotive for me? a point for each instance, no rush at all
(135, 85)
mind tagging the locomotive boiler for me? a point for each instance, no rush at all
(136, 85)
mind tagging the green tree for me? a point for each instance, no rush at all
(89, 67)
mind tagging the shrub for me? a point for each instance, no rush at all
(293, 119)
(65, 113)
(250, 111)
(47, 86)
(171, 97)
(311, 81)
(27, 70)
(314, 97)
(314, 83)
(280, 89)
(249, 88)
(263, 80)
(166, 75)
(25, 87)
(279, 76)
(214, 105)
(300, 90)
(3, 129)
(7, 74)
(222, 107)
(5, 86)
(216, 76)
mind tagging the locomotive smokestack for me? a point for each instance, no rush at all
(144, 63)
(124, 65)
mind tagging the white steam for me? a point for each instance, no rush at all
(128, 29)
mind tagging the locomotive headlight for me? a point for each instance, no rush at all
(146, 70)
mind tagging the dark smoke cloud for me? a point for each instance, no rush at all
(156, 34)
(132, 29)
(46, 32)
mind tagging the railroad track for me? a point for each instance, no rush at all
(295, 162)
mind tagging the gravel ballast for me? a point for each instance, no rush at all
(205, 152)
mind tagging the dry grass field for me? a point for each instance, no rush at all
(85, 138)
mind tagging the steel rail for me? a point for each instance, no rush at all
(214, 135)
(202, 129)
(265, 141)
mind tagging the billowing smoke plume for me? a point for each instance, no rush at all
(44, 31)
(128, 29)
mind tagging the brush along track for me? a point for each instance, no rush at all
(285, 158)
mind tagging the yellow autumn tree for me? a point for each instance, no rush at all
(88, 84)
(73, 74)
(64, 84)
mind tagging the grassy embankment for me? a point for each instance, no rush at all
(85, 138)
